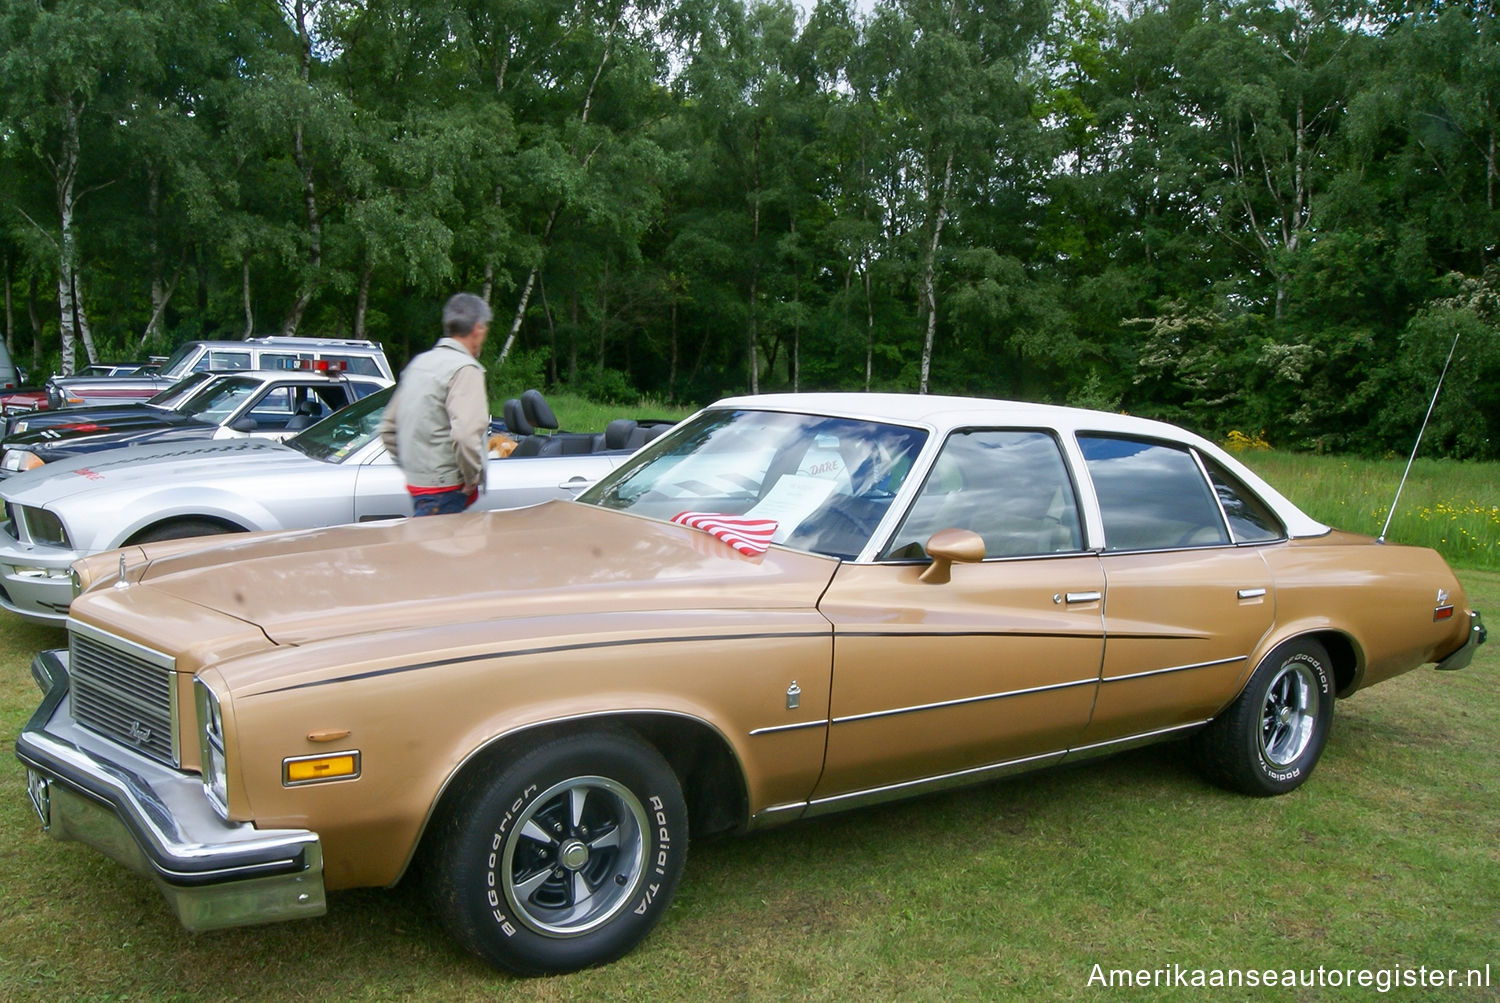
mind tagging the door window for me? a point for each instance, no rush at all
(1152, 496)
(1009, 486)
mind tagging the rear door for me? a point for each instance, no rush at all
(1188, 594)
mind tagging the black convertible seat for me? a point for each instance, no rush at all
(531, 420)
(642, 434)
(617, 434)
(537, 415)
(515, 419)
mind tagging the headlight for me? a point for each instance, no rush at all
(75, 580)
(211, 747)
(44, 527)
(17, 460)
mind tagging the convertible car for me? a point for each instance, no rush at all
(336, 471)
(788, 605)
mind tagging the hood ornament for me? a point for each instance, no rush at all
(122, 583)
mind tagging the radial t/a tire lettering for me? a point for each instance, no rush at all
(565, 859)
(1268, 741)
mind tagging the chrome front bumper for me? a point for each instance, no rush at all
(160, 823)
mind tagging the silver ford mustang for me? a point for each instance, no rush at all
(334, 472)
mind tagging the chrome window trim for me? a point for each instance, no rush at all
(1213, 492)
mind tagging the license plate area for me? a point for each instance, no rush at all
(41, 798)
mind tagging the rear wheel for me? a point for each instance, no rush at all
(565, 859)
(1271, 737)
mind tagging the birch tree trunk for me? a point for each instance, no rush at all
(65, 173)
(929, 273)
(309, 186)
(588, 102)
(245, 297)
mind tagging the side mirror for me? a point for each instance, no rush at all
(947, 546)
(245, 424)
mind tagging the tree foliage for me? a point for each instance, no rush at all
(1268, 215)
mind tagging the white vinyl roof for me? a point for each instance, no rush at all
(942, 414)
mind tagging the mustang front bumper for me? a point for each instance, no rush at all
(158, 821)
(34, 580)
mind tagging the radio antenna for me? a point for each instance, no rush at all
(1412, 459)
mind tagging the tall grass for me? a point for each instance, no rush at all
(1450, 506)
(576, 413)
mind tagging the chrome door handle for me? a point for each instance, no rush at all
(1251, 593)
(1078, 597)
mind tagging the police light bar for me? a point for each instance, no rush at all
(322, 365)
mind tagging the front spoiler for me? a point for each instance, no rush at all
(159, 822)
(1461, 658)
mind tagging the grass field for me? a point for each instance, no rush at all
(1386, 860)
(1452, 507)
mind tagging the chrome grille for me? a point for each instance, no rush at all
(124, 692)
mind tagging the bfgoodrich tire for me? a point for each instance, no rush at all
(565, 859)
(1268, 741)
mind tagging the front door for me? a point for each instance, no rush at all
(993, 671)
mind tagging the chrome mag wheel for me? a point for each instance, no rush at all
(576, 856)
(1289, 716)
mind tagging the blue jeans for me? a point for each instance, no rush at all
(439, 503)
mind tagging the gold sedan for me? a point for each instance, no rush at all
(785, 607)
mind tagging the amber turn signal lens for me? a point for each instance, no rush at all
(313, 769)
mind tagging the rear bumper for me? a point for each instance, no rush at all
(1461, 658)
(158, 822)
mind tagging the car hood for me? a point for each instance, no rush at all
(99, 413)
(559, 559)
(142, 466)
(130, 423)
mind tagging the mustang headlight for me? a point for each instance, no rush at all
(17, 460)
(211, 747)
(44, 527)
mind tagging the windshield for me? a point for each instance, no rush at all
(826, 482)
(177, 361)
(344, 431)
(219, 401)
(182, 386)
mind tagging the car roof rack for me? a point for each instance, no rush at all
(281, 339)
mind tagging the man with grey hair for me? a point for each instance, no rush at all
(438, 419)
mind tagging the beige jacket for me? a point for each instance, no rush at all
(438, 419)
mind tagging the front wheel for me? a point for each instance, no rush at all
(566, 859)
(1268, 741)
